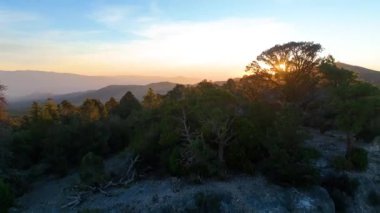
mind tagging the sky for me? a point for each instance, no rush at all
(210, 39)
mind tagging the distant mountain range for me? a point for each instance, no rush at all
(103, 94)
(23, 85)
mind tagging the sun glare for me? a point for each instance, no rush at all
(282, 67)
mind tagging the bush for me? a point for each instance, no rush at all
(199, 159)
(340, 188)
(174, 163)
(92, 169)
(286, 170)
(209, 202)
(356, 160)
(289, 162)
(340, 163)
(373, 198)
(6, 196)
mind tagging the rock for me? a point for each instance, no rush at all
(316, 199)
(239, 194)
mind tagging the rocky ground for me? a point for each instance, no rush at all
(237, 194)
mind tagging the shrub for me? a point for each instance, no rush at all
(340, 187)
(199, 159)
(174, 164)
(289, 162)
(92, 169)
(358, 158)
(209, 202)
(6, 196)
(373, 198)
(340, 163)
(285, 170)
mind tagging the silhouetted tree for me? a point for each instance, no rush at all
(66, 109)
(92, 110)
(292, 67)
(111, 104)
(50, 110)
(333, 76)
(35, 111)
(151, 100)
(128, 104)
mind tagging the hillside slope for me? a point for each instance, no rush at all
(365, 74)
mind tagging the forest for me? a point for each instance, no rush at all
(251, 125)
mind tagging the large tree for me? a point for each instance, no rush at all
(292, 68)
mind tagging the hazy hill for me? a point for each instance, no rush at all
(23, 85)
(365, 74)
(103, 94)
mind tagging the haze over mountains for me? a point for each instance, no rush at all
(22, 85)
(102, 94)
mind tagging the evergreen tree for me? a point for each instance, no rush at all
(66, 109)
(92, 110)
(151, 100)
(35, 111)
(128, 104)
(50, 111)
(111, 104)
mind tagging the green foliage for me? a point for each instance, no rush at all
(198, 158)
(333, 76)
(128, 104)
(92, 169)
(248, 149)
(373, 198)
(340, 163)
(6, 196)
(92, 110)
(50, 111)
(174, 164)
(35, 112)
(5, 152)
(151, 100)
(339, 188)
(356, 159)
(111, 105)
(289, 162)
(67, 110)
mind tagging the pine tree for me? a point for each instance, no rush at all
(128, 104)
(111, 104)
(151, 100)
